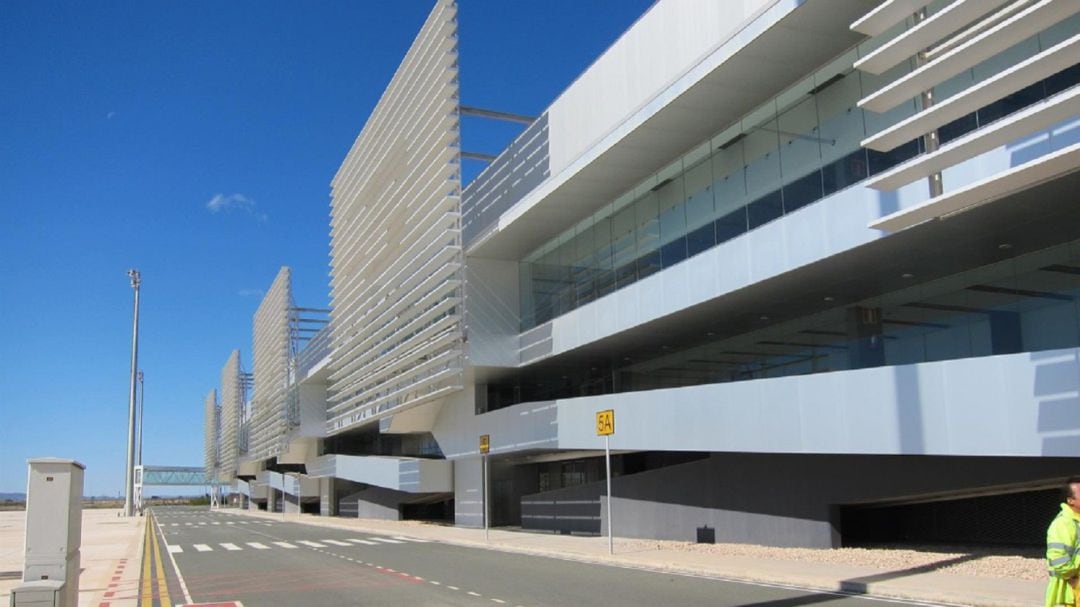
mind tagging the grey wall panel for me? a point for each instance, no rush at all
(792, 500)
(922, 409)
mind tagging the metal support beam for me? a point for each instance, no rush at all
(467, 110)
(478, 156)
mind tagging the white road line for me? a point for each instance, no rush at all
(364, 542)
(337, 542)
(386, 540)
(499, 601)
(179, 576)
(411, 539)
(258, 546)
(215, 523)
(229, 546)
(284, 544)
(203, 548)
(174, 548)
(453, 588)
(471, 593)
(312, 544)
(230, 522)
(188, 524)
(434, 582)
(175, 524)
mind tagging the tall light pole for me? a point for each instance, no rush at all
(142, 406)
(129, 476)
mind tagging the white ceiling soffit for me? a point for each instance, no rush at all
(799, 43)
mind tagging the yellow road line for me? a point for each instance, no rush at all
(163, 586)
(146, 596)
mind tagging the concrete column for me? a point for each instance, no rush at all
(468, 494)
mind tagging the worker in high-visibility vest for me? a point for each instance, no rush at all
(1063, 548)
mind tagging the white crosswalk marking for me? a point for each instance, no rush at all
(203, 548)
(337, 542)
(284, 544)
(365, 542)
(411, 539)
(258, 546)
(229, 546)
(230, 522)
(188, 524)
(215, 523)
(386, 540)
(311, 544)
(176, 549)
(175, 524)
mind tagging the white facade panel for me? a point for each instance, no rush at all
(270, 350)
(396, 259)
(412, 475)
(662, 46)
(232, 396)
(923, 409)
(211, 435)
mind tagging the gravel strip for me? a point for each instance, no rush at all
(1013, 563)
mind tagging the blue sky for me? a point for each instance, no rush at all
(196, 141)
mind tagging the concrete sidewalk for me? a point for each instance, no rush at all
(925, 583)
(110, 553)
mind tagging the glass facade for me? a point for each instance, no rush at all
(798, 148)
(1024, 304)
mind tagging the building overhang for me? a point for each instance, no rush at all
(408, 474)
(732, 80)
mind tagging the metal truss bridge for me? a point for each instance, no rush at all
(173, 476)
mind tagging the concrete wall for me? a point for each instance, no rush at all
(492, 312)
(792, 500)
(375, 502)
(327, 497)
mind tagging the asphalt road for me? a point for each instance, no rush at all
(260, 562)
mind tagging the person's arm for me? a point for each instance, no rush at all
(1060, 540)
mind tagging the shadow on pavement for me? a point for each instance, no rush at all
(861, 585)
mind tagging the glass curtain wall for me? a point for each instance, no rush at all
(796, 149)
(1029, 303)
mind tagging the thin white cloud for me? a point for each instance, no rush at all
(250, 293)
(110, 115)
(235, 202)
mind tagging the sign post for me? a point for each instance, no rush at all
(605, 426)
(485, 447)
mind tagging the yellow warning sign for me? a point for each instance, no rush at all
(605, 422)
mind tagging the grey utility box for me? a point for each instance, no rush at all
(54, 526)
(42, 593)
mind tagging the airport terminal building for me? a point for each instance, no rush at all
(821, 258)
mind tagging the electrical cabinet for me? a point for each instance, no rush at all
(54, 524)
